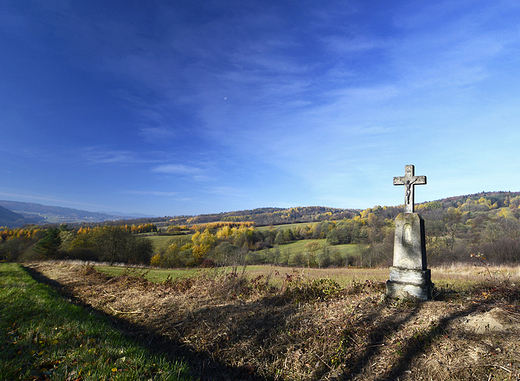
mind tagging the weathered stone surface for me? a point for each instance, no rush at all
(409, 244)
(405, 290)
(409, 276)
(409, 180)
(417, 277)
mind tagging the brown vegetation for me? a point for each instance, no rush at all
(305, 329)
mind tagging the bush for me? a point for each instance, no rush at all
(301, 290)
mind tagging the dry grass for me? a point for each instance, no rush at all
(289, 326)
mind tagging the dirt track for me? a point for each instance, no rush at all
(263, 334)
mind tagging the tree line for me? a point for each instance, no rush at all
(485, 223)
(107, 243)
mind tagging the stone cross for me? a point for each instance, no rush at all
(409, 181)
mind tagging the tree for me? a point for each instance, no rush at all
(49, 245)
(202, 243)
(312, 249)
(332, 237)
(279, 240)
(116, 244)
(141, 250)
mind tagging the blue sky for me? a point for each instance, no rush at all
(189, 107)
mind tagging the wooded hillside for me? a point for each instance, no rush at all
(487, 224)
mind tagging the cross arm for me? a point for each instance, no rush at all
(415, 180)
(399, 180)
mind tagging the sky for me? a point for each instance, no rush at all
(184, 107)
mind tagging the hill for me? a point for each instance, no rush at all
(44, 214)
(483, 225)
(271, 216)
(10, 218)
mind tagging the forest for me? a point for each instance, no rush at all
(456, 227)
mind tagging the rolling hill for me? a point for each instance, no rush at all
(11, 219)
(44, 214)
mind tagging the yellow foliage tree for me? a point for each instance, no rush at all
(156, 260)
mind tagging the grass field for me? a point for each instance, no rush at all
(153, 275)
(43, 337)
(299, 246)
(456, 277)
(160, 242)
(286, 226)
(309, 329)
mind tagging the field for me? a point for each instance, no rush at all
(273, 323)
(45, 337)
(454, 277)
(287, 251)
(299, 246)
(160, 241)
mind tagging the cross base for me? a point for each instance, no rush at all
(406, 283)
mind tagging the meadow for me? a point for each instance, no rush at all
(279, 323)
(43, 337)
(460, 277)
(253, 322)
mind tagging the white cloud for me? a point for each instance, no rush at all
(98, 156)
(176, 169)
(157, 134)
(153, 193)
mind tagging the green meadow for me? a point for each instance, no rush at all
(44, 337)
(299, 246)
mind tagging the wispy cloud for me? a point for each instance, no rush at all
(341, 45)
(173, 169)
(158, 134)
(152, 193)
(99, 155)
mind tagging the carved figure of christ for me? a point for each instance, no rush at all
(409, 180)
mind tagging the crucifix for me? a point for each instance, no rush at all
(409, 181)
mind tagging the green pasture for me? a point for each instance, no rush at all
(45, 337)
(299, 246)
(153, 275)
(295, 247)
(159, 241)
(285, 226)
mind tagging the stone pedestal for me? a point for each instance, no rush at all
(409, 275)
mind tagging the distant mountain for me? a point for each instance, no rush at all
(11, 219)
(44, 214)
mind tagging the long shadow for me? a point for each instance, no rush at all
(413, 347)
(377, 335)
(263, 323)
(202, 365)
(417, 345)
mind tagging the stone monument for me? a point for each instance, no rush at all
(409, 275)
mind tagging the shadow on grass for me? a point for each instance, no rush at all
(413, 346)
(257, 324)
(202, 365)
